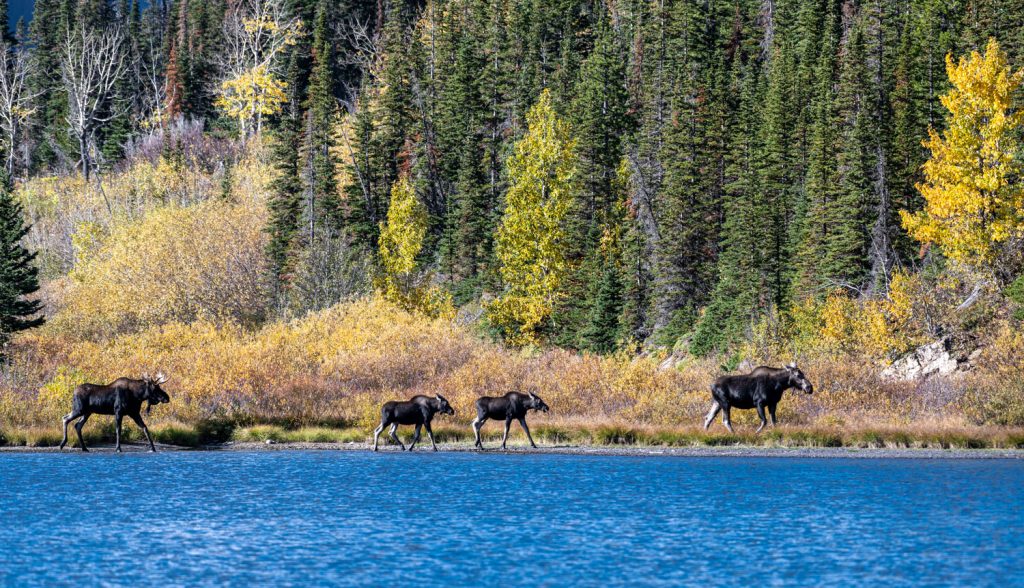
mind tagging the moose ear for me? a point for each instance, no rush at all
(533, 394)
(791, 365)
(439, 397)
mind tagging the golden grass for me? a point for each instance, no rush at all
(565, 435)
(338, 366)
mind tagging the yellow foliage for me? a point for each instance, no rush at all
(973, 198)
(252, 93)
(176, 264)
(530, 241)
(877, 328)
(401, 240)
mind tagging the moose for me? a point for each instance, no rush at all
(122, 397)
(513, 405)
(418, 410)
(760, 389)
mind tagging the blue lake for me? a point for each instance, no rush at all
(356, 518)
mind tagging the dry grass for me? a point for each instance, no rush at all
(564, 435)
(336, 367)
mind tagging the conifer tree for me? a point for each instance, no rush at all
(18, 275)
(285, 204)
(814, 231)
(322, 207)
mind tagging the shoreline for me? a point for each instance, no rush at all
(579, 450)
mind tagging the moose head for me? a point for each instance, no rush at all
(443, 406)
(154, 392)
(536, 403)
(797, 379)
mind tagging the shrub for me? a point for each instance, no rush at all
(203, 262)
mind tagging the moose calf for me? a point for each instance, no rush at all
(418, 410)
(760, 389)
(513, 405)
(122, 397)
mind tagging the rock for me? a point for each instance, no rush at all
(925, 361)
(672, 361)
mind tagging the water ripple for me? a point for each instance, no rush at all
(351, 518)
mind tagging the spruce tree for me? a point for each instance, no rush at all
(18, 275)
(322, 207)
(285, 203)
(598, 114)
(813, 230)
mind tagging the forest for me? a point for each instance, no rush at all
(339, 200)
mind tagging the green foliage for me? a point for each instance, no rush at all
(18, 274)
(1015, 293)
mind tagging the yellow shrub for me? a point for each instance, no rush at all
(177, 264)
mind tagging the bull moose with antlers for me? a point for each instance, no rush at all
(122, 397)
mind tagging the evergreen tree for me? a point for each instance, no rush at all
(322, 207)
(814, 209)
(18, 275)
(285, 204)
(600, 121)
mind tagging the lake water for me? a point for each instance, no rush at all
(356, 518)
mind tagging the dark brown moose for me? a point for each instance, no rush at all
(418, 410)
(122, 397)
(760, 389)
(513, 405)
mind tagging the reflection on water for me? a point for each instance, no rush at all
(356, 518)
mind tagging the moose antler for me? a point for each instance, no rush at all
(160, 378)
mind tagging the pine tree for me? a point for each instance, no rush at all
(814, 231)
(691, 155)
(468, 241)
(322, 206)
(285, 204)
(849, 215)
(599, 121)
(777, 168)
(737, 293)
(18, 275)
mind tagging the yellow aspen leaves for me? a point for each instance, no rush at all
(252, 94)
(973, 198)
(530, 241)
(401, 240)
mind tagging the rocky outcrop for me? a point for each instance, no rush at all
(933, 359)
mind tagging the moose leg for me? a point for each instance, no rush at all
(725, 419)
(145, 431)
(771, 411)
(760, 414)
(430, 434)
(711, 414)
(67, 419)
(415, 437)
(117, 432)
(376, 434)
(394, 437)
(522, 423)
(508, 423)
(78, 429)
(478, 423)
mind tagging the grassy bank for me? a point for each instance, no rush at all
(215, 432)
